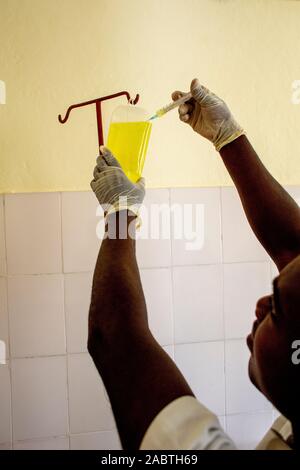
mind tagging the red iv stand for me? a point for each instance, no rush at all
(97, 102)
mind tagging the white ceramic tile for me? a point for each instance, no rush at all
(88, 405)
(241, 395)
(247, 430)
(196, 226)
(82, 219)
(153, 245)
(294, 191)
(36, 312)
(274, 271)
(52, 443)
(5, 446)
(222, 420)
(170, 351)
(5, 405)
(33, 233)
(198, 312)
(39, 389)
(4, 317)
(2, 238)
(105, 440)
(239, 242)
(77, 302)
(202, 364)
(244, 285)
(276, 414)
(157, 286)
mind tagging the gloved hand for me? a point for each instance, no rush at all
(208, 115)
(112, 188)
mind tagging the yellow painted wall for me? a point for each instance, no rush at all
(57, 52)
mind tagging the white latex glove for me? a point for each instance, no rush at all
(208, 115)
(112, 188)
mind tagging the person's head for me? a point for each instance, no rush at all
(271, 368)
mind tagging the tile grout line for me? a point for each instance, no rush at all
(61, 234)
(171, 267)
(181, 343)
(223, 310)
(65, 316)
(8, 326)
(196, 265)
(65, 436)
(66, 359)
(172, 279)
(68, 401)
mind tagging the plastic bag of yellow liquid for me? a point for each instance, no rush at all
(128, 139)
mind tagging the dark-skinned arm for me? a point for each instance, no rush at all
(139, 376)
(273, 215)
(271, 212)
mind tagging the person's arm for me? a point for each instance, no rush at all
(139, 376)
(273, 215)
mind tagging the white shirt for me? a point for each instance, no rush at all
(185, 424)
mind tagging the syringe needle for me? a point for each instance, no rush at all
(160, 112)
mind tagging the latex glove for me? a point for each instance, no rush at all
(208, 115)
(112, 188)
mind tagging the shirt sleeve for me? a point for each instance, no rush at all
(185, 424)
(278, 437)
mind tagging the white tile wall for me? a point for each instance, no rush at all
(247, 430)
(294, 191)
(244, 284)
(33, 233)
(89, 407)
(36, 314)
(5, 405)
(202, 364)
(82, 219)
(199, 309)
(157, 285)
(241, 395)
(4, 335)
(170, 351)
(105, 440)
(202, 225)
(276, 414)
(239, 242)
(39, 397)
(156, 252)
(274, 270)
(78, 288)
(52, 443)
(6, 446)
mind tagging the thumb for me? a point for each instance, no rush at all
(177, 94)
(198, 91)
(141, 183)
(109, 157)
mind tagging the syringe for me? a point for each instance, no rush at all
(160, 112)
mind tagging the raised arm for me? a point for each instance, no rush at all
(273, 215)
(139, 376)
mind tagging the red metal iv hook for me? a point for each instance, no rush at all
(97, 102)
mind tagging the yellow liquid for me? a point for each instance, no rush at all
(128, 141)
